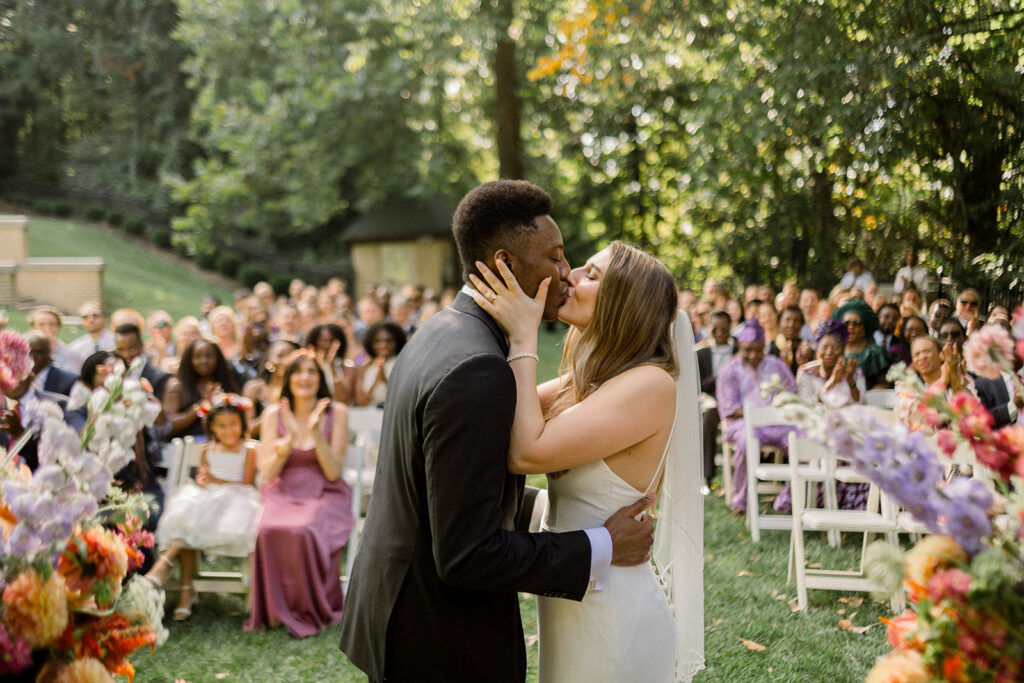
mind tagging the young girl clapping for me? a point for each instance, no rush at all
(220, 511)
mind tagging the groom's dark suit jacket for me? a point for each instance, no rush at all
(433, 590)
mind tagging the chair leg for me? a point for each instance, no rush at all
(727, 471)
(753, 518)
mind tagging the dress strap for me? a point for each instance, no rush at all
(661, 464)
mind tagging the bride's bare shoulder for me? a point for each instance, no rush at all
(649, 380)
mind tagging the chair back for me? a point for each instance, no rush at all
(191, 457)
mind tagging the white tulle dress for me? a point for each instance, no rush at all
(220, 518)
(624, 632)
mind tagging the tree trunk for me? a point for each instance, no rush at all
(506, 83)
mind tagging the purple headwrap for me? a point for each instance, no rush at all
(751, 332)
(834, 328)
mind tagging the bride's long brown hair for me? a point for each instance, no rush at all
(631, 326)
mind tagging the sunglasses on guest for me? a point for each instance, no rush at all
(969, 303)
(952, 334)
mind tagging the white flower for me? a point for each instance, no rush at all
(99, 398)
(80, 395)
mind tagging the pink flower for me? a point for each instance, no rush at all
(988, 351)
(949, 584)
(14, 360)
(946, 441)
(15, 653)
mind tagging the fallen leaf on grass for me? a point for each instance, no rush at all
(841, 611)
(221, 675)
(814, 565)
(531, 641)
(752, 646)
(794, 604)
(780, 596)
(852, 602)
(847, 625)
(744, 573)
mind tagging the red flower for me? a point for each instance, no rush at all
(946, 441)
(953, 669)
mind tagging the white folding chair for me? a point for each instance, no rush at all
(352, 474)
(171, 456)
(767, 477)
(208, 581)
(726, 464)
(804, 453)
(364, 426)
(882, 398)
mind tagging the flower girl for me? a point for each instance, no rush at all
(219, 512)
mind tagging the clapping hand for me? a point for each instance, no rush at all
(518, 314)
(317, 416)
(203, 476)
(326, 357)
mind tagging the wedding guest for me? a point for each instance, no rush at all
(911, 275)
(940, 369)
(383, 342)
(46, 319)
(834, 381)
(264, 293)
(184, 333)
(128, 345)
(401, 313)
(789, 345)
(938, 313)
(911, 328)
(329, 345)
(124, 316)
(808, 305)
(885, 336)
(739, 383)
(999, 395)
(224, 328)
(265, 389)
(368, 312)
(49, 380)
(96, 338)
(307, 514)
(861, 323)
(856, 276)
(255, 342)
(203, 372)
(160, 345)
(287, 324)
(968, 309)
(712, 356)
(911, 302)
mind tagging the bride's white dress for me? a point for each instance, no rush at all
(624, 632)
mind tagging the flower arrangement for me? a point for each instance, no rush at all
(965, 582)
(68, 537)
(219, 400)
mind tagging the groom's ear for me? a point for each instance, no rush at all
(507, 257)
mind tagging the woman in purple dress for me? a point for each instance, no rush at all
(307, 514)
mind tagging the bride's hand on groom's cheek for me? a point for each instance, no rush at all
(632, 538)
(517, 313)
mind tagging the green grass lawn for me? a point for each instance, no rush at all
(135, 275)
(746, 598)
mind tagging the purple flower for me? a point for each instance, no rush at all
(15, 653)
(967, 524)
(972, 490)
(926, 512)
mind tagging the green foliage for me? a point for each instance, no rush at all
(45, 207)
(227, 264)
(62, 209)
(161, 237)
(95, 213)
(279, 282)
(207, 259)
(250, 273)
(135, 226)
(115, 218)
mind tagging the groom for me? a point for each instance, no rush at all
(433, 591)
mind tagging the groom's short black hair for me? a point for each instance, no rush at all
(496, 215)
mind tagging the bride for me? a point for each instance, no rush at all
(621, 420)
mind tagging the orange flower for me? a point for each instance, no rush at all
(34, 609)
(899, 629)
(953, 669)
(900, 666)
(931, 553)
(94, 563)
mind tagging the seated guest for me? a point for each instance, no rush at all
(938, 313)
(911, 328)
(16, 401)
(832, 380)
(911, 302)
(184, 333)
(768, 319)
(160, 346)
(128, 345)
(97, 336)
(855, 276)
(712, 355)
(968, 309)
(50, 381)
(383, 341)
(885, 336)
(808, 305)
(940, 369)
(307, 514)
(203, 372)
(789, 345)
(861, 323)
(740, 382)
(46, 319)
(330, 346)
(1000, 396)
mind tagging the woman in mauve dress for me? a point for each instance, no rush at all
(307, 515)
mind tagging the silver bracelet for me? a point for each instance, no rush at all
(523, 355)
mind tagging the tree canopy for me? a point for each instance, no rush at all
(741, 139)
